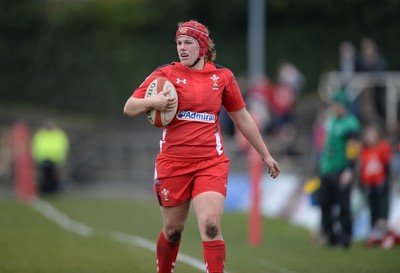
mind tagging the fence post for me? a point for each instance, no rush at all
(256, 172)
(24, 181)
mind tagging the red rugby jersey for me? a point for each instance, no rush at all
(374, 162)
(194, 134)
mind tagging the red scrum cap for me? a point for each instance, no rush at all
(197, 31)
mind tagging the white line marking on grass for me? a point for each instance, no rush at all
(135, 240)
(61, 219)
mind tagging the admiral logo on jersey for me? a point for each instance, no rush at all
(194, 116)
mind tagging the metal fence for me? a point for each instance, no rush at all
(359, 82)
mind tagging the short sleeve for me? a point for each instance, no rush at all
(232, 98)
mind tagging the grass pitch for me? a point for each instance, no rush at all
(30, 242)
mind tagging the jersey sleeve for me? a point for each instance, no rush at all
(141, 90)
(232, 98)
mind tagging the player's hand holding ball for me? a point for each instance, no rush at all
(163, 102)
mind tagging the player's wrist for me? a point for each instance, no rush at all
(265, 158)
(149, 104)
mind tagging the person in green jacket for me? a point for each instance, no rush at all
(50, 146)
(336, 171)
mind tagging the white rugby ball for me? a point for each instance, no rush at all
(155, 117)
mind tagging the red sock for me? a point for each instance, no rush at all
(166, 254)
(214, 256)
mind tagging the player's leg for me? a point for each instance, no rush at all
(374, 200)
(208, 193)
(209, 207)
(326, 199)
(386, 196)
(174, 220)
(172, 185)
(345, 215)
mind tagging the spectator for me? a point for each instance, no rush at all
(283, 95)
(336, 172)
(347, 66)
(374, 177)
(290, 83)
(347, 61)
(257, 99)
(371, 60)
(289, 75)
(50, 146)
(273, 102)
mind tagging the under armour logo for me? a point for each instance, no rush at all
(178, 80)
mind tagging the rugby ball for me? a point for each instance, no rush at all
(155, 117)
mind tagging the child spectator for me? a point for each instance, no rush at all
(374, 177)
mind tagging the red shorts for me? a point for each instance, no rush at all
(175, 181)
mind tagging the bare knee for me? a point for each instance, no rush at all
(211, 231)
(174, 234)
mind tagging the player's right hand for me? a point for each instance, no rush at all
(273, 166)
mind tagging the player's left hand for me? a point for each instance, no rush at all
(272, 165)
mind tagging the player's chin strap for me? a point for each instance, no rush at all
(195, 62)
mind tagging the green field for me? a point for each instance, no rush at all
(31, 242)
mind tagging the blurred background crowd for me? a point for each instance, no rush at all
(68, 66)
